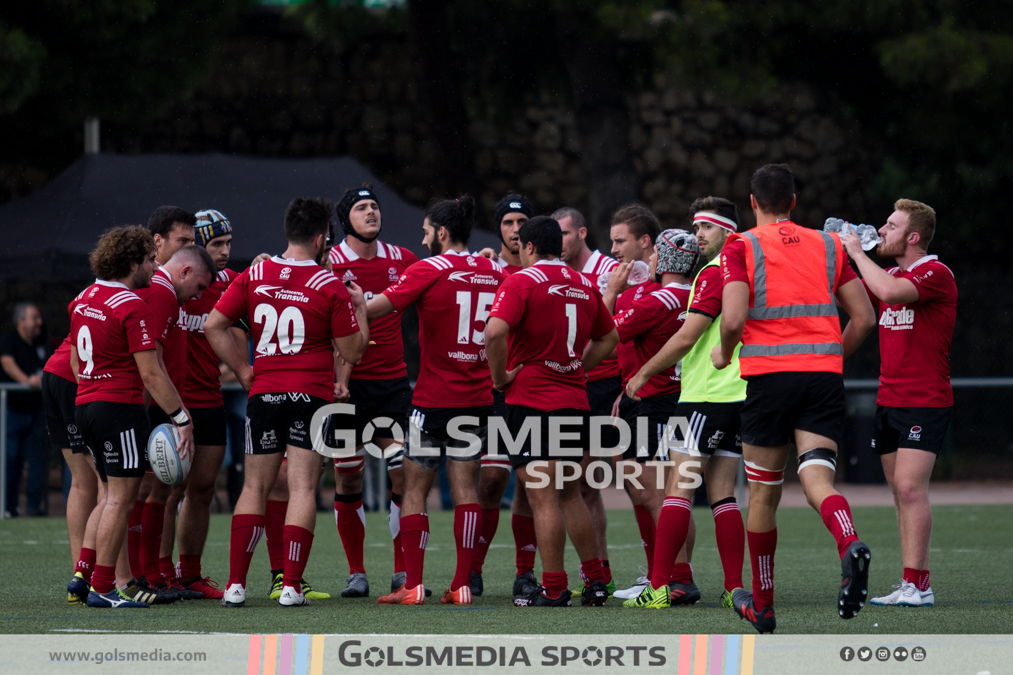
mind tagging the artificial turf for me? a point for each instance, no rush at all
(972, 555)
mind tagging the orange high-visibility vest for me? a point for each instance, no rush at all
(793, 324)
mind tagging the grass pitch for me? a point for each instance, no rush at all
(971, 562)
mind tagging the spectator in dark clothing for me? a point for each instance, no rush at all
(23, 353)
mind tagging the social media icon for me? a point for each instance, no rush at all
(883, 654)
(864, 653)
(900, 654)
(918, 654)
(847, 654)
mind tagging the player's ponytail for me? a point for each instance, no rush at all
(456, 215)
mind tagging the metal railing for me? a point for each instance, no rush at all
(850, 384)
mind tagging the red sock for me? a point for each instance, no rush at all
(490, 523)
(167, 568)
(673, 524)
(682, 573)
(152, 522)
(467, 527)
(525, 541)
(923, 581)
(731, 536)
(298, 542)
(189, 568)
(837, 517)
(761, 558)
(351, 521)
(912, 576)
(606, 570)
(395, 532)
(591, 570)
(104, 578)
(85, 563)
(134, 529)
(554, 583)
(274, 523)
(247, 529)
(646, 524)
(414, 536)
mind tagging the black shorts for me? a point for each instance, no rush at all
(376, 399)
(157, 416)
(545, 447)
(58, 397)
(117, 435)
(651, 434)
(779, 403)
(916, 428)
(276, 420)
(500, 410)
(429, 438)
(209, 426)
(713, 429)
(601, 396)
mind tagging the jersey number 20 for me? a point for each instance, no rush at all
(290, 327)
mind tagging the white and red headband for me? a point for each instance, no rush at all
(715, 219)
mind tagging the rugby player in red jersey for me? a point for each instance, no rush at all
(172, 229)
(300, 313)
(511, 213)
(644, 328)
(203, 397)
(453, 291)
(603, 382)
(917, 307)
(547, 325)
(377, 386)
(113, 354)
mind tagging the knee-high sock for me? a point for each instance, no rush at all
(524, 539)
(490, 523)
(351, 522)
(837, 517)
(414, 537)
(467, 527)
(646, 524)
(395, 531)
(298, 542)
(247, 528)
(152, 522)
(274, 529)
(731, 537)
(85, 563)
(134, 528)
(673, 526)
(761, 558)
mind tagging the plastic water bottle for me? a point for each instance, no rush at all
(639, 273)
(868, 234)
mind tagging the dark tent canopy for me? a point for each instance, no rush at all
(48, 235)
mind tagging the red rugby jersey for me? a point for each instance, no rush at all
(625, 352)
(914, 339)
(203, 377)
(296, 308)
(59, 363)
(385, 358)
(645, 327)
(597, 270)
(108, 323)
(165, 315)
(553, 312)
(453, 293)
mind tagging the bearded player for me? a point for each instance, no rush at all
(300, 315)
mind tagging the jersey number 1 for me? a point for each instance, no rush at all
(290, 326)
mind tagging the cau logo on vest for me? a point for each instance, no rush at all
(788, 235)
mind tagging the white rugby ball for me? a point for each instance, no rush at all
(163, 455)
